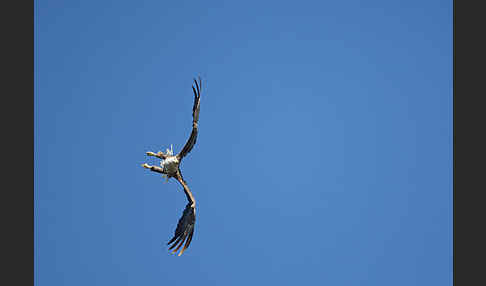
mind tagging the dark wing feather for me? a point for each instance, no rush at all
(185, 229)
(195, 117)
(185, 226)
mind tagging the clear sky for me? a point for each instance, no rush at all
(324, 155)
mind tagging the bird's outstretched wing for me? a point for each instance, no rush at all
(185, 226)
(184, 230)
(195, 117)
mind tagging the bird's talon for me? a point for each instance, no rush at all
(145, 165)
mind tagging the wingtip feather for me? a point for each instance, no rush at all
(180, 244)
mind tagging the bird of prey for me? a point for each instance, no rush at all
(169, 168)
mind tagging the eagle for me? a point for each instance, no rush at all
(169, 168)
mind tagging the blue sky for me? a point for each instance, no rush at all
(324, 155)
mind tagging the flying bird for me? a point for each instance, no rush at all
(169, 168)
